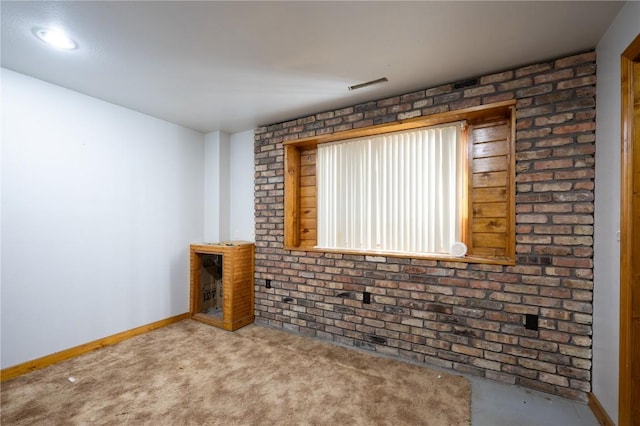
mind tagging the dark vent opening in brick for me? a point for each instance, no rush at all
(466, 83)
(531, 322)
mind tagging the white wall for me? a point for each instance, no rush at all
(228, 188)
(99, 205)
(242, 220)
(216, 187)
(606, 300)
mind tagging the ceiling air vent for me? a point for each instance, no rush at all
(368, 83)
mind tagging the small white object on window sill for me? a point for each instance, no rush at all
(458, 249)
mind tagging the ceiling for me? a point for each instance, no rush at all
(232, 66)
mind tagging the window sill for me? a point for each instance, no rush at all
(431, 256)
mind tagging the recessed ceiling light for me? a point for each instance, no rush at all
(55, 38)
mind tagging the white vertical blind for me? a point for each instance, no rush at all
(399, 192)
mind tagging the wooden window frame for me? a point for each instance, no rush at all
(299, 183)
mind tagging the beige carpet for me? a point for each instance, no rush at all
(193, 374)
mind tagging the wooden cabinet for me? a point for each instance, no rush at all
(222, 284)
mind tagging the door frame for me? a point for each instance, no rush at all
(629, 145)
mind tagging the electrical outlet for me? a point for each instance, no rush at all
(366, 297)
(267, 283)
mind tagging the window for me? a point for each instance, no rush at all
(325, 213)
(395, 192)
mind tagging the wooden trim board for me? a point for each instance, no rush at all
(599, 411)
(628, 368)
(45, 361)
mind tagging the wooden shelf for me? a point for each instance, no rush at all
(237, 263)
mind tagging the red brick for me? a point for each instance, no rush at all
(557, 271)
(579, 284)
(584, 185)
(573, 262)
(583, 318)
(553, 229)
(579, 295)
(575, 351)
(409, 114)
(497, 98)
(435, 110)
(503, 358)
(576, 104)
(554, 379)
(521, 309)
(532, 218)
(532, 155)
(582, 81)
(388, 102)
(561, 293)
(524, 208)
(409, 97)
(577, 306)
(554, 336)
(481, 90)
(502, 317)
(574, 174)
(537, 365)
(576, 60)
(553, 164)
(553, 76)
(447, 88)
(486, 364)
(521, 352)
(575, 128)
(533, 239)
(534, 90)
(466, 103)
(530, 112)
(533, 133)
(541, 301)
(466, 350)
(553, 208)
(574, 151)
(515, 84)
(538, 344)
(554, 119)
(583, 116)
(586, 69)
(552, 142)
(559, 314)
(505, 297)
(574, 241)
(533, 69)
(496, 78)
(552, 186)
(501, 338)
(468, 292)
(525, 270)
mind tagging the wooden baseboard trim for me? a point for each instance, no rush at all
(599, 411)
(36, 364)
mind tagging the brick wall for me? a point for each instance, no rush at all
(466, 317)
